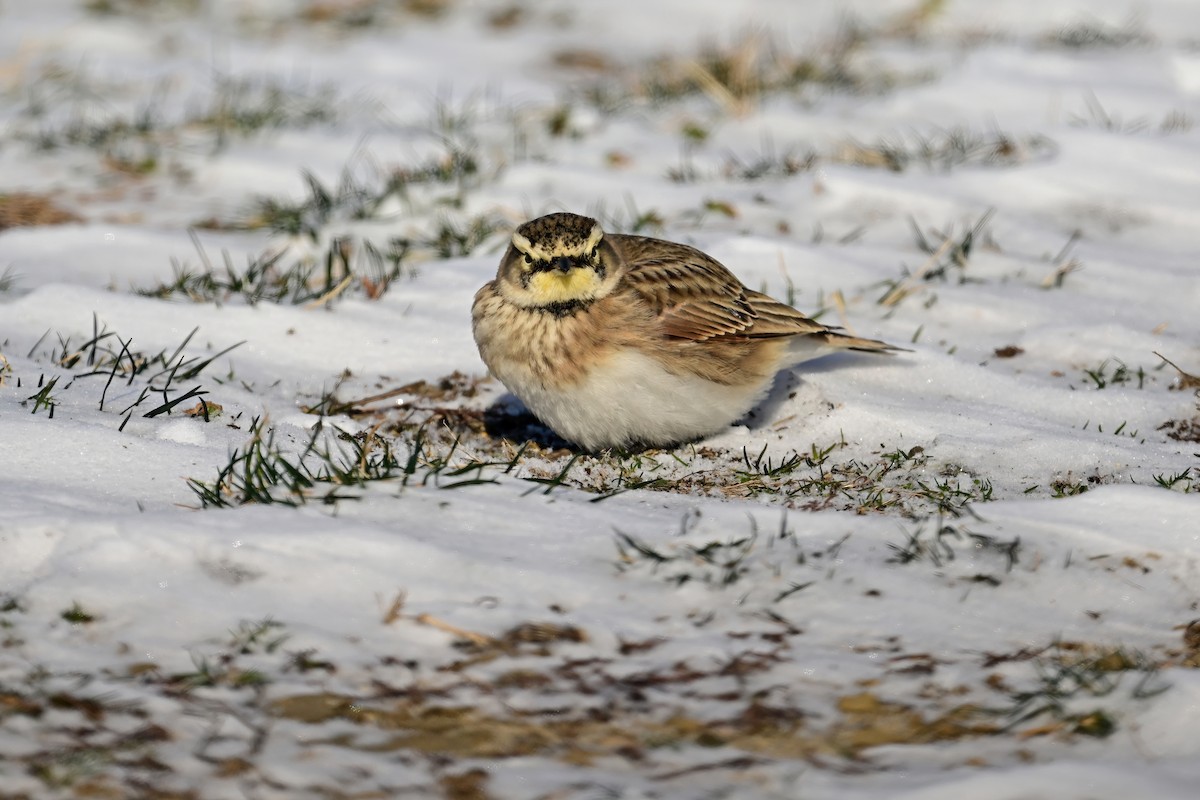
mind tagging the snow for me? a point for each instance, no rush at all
(948, 573)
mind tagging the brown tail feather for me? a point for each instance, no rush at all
(815, 345)
(845, 341)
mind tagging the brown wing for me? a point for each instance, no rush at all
(697, 298)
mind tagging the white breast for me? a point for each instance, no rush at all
(631, 399)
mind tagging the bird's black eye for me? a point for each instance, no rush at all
(528, 258)
(595, 253)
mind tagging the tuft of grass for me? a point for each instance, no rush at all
(454, 239)
(631, 219)
(737, 77)
(225, 668)
(945, 150)
(890, 483)
(244, 106)
(347, 262)
(105, 355)
(718, 563)
(1066, 487)
(144, 139)
(1176, 122)
(894, 482)
(948, 253)
(941, 150)
(77, 615)
(1096, 116)
(1091, 34)
(1070, 678)
(347, 267)
(1183, 481)
(1114, 372)
(9, 637)
(368, 13)
(254, 637)
(330, 466)
(42, 399)
(354, 198)
(1063, 264)
(770, 164)
(753, 561)
(261, 472)
(141, 8)
(939, 543)
(8, 280)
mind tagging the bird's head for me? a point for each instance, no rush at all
(560, 262)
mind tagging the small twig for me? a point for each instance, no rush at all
(351, 405)
(471, 636)
(1055, 279)
(714, 89)
(839, 303)
(1186, 380)
(332, 293)
(902, 289)
(395, 608)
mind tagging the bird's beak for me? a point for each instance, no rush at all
(563, 264)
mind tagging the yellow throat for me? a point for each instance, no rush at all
(553, 286)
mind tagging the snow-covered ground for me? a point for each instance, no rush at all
(268, 531)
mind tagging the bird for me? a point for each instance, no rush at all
(627, 342)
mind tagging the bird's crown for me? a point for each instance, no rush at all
(557, 236)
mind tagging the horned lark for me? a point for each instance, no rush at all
(618, 341)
